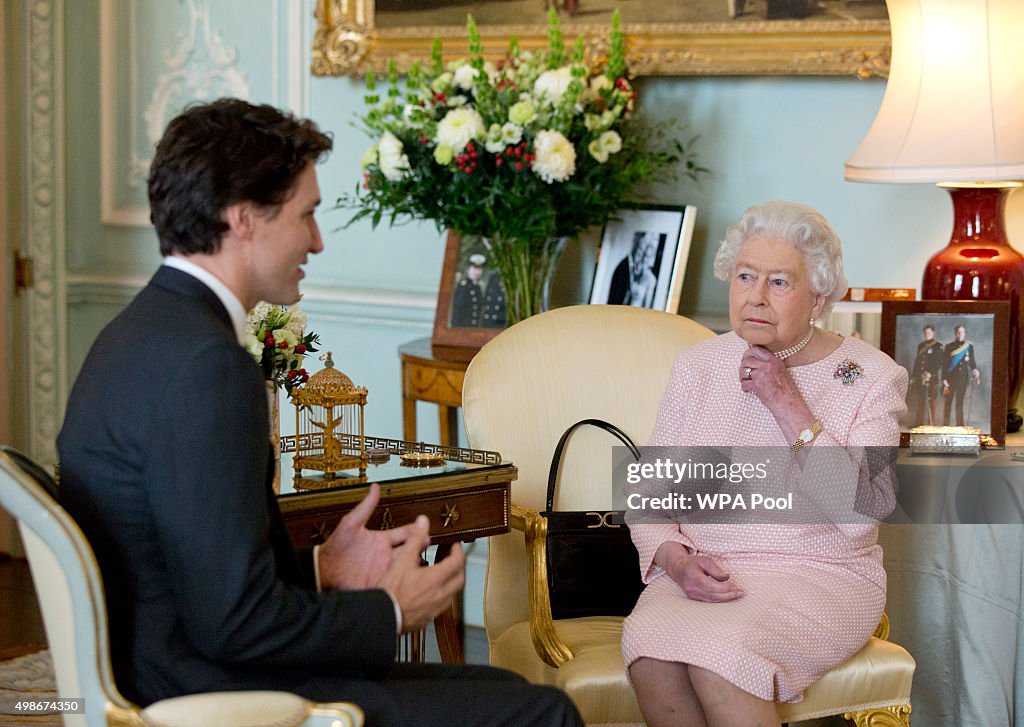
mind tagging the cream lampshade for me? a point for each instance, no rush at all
(953, 114)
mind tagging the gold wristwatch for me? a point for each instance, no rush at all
(806, 436)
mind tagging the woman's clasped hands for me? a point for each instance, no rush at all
(698, 575)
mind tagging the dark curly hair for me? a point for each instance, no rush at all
(214, 155)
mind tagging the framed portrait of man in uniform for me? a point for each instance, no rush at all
(471, 299)
(956, 355)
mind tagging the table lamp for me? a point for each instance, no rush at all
(953, 114)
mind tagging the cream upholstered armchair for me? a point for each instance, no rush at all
(522, 390)
(67, 581)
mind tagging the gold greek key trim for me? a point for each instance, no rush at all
(350, 443)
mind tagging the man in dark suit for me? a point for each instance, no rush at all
(960, 368)
(924, 379)
(166, 466)
(621, 284)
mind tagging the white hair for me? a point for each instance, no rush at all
(802, 227)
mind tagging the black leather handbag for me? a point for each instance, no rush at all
(593, 567)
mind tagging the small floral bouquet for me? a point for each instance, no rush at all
(539, 146)
(276, 337)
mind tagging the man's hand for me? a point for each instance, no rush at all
(423, 592)
(355, 558)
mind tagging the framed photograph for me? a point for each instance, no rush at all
(642, 258)
(470, 300)
(859, 313)
(956, 354)
(684, 37)
(857, 319)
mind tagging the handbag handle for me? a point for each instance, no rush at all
(556, 459)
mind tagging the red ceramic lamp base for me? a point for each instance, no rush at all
(980, 264)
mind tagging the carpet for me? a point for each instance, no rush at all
(27, 677)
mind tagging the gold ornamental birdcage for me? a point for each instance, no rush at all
(328, 424)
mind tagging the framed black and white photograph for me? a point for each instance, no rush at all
(642, 258)
(956, 355)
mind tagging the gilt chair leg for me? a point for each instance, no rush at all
(898, 716)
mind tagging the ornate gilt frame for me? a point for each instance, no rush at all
(347, 43)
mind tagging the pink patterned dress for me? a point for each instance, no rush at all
(814, 593)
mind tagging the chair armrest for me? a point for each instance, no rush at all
(882, 630)
(244, 709)
(534, 526)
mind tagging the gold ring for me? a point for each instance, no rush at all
(747, 371)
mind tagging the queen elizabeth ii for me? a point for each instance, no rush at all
(738, 616)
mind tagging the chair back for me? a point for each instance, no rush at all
(68, 586)
(536, 378)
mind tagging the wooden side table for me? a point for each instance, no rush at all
(426, 377)
(464, 502)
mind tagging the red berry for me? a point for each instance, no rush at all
(300, 348)
(283, 344)
(269, 340)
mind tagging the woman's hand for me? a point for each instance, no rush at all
(767, 378)
(698, 575)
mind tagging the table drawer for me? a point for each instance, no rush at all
(453, 517)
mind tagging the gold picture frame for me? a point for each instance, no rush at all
(348, 42)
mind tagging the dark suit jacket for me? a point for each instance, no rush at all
(165, 466)
(619, 286)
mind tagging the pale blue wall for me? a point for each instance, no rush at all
(370, 291)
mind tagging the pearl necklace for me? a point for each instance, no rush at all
(787, 352)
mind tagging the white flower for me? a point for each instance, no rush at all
(494, 143)
(556, 157)
(254, 346)
(443, 154)
(611, 142)
(511, 133)
(394, 164)
(597, 122)
(459, 127)
(370, 157)
(297, 321)
(552, 85)
(465, 76)
(458, 100)
(608, 143)
(286, 335)
(597, 84)
(256, 317)
(522, 112)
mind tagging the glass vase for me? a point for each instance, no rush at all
(526, 269)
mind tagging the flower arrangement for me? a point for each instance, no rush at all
(536, 147)
(276, 337)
